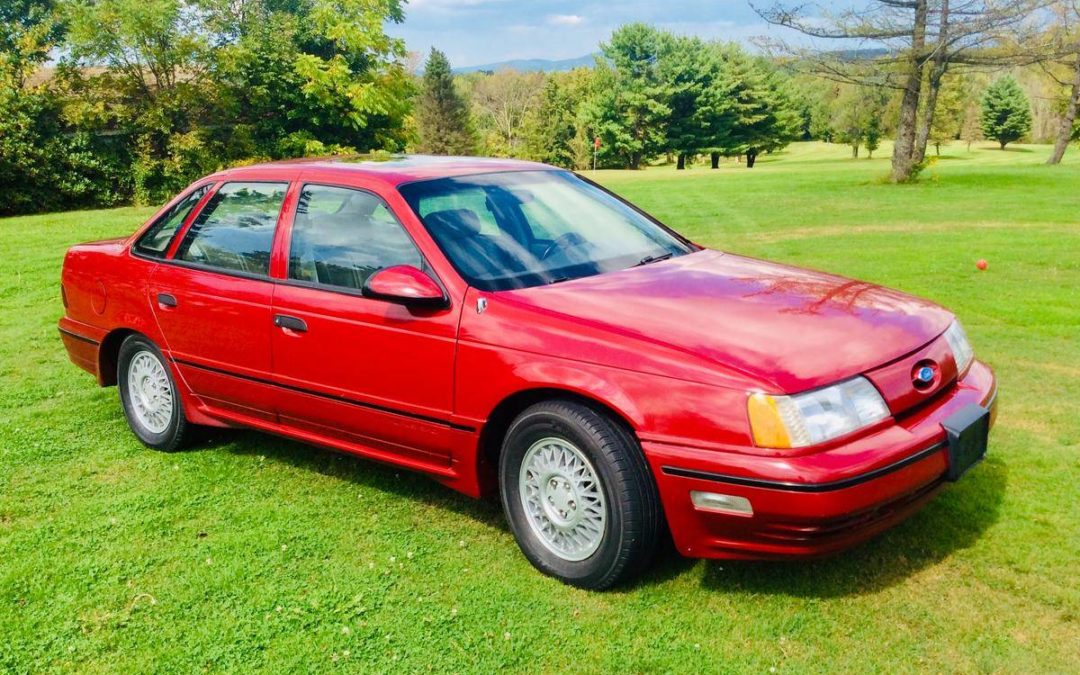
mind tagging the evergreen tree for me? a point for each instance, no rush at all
(760, 115)
(550, 129)
(1006, 113)
(684, 64)
(630, 109)
(872, 136)
(442, 114)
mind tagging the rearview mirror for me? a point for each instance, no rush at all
(405, 285)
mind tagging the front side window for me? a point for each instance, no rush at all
(235, 230)
(526, 228)
(156, 239)
(340, 237)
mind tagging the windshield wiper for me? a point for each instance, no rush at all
(654, 258)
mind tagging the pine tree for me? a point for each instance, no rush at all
(550, 129)
(629, 107)
(872, 135)
(685, 64)
(759, 113)
(442, 115)
(1006, 113)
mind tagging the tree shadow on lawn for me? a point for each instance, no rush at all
(953, 520)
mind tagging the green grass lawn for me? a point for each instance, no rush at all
(253, 553)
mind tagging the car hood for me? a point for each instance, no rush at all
(784, 328)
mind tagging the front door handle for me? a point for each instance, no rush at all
(166, 300)
(292, 323)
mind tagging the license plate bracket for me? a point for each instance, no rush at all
(967, 431)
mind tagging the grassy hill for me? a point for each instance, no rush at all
(253, 553)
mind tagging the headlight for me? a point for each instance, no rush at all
(816, 416)
(962, 352)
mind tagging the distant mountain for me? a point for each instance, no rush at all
(526, 65)
(860, 54)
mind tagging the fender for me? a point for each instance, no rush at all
(568, 376)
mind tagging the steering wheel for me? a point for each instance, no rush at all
(565, 240)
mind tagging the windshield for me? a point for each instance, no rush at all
(526, 228)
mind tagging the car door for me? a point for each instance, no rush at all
(212, 298)
(362, 370)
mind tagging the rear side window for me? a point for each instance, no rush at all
(235, 230)
(156, 239)
(340, 237)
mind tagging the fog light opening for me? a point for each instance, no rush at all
(718, 503)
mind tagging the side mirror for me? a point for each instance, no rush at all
(405, 285)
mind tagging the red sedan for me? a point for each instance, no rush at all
(511, 328)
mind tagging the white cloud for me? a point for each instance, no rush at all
(565, 19)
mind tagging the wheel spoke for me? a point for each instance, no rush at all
(562, 498)
(149, 391)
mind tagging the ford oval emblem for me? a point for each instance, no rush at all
(923, 376)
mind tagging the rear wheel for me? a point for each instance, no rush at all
(148, 395)
(578, 495)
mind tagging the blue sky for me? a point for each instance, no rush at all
(473, 32)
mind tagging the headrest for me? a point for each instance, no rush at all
(360, 203)
(453, 223)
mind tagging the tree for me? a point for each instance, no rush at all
(919, 41)
(946, 123)
(550, 127)
(873, 136)
(29, 29)
(1064, 68)
(154, 89)
(971, 126)
(758, 113)
(504, 100)
(189, 86)
(856, 116)
(815, 98)
(312, 77)
(693, 78)
(1006, 112)
(441, 113)
(629, 106)
(44, 163)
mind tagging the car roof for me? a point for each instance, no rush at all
(390, 169)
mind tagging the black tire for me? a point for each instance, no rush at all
(634, 518)
(177, 430)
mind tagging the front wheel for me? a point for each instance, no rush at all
(148, 395)
(578, 495)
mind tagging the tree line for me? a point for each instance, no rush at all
(923, 42)
(651, 94)
(116, 101)
(113, 101)
(654, 96)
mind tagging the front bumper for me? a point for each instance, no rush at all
(817, 503)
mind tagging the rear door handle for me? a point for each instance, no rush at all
(165, 300)
(293, 323)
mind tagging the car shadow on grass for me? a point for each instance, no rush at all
(403, 483)
(952, 521)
